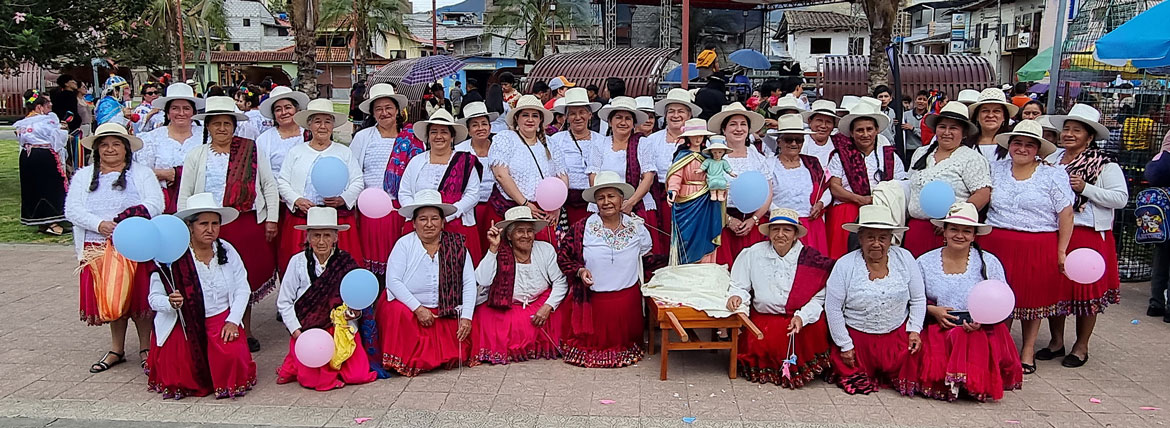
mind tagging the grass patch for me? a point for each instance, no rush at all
(341, 108)
(10, 228)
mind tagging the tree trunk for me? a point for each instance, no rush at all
(881, 15)
(303, 14)
(361, 33)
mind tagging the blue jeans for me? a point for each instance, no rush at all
(1160, 276)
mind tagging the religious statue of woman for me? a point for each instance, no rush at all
(697, 220)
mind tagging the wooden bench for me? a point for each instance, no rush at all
(680, 318)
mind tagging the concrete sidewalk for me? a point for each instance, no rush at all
(46, 353)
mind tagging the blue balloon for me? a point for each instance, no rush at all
(749, 191)
(936, 199)
(359, 288)
(329, 176)
(174, 238)
(136, 238)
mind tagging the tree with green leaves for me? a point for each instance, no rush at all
(368, 20)
(203, 21)
(303, 15)
(535, 19)
(52, 33)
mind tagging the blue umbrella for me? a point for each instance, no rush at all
(1142, 40)
(675, 75)
(430, 69)
(750, 58)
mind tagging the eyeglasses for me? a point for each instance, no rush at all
(792, 140)
(150, 93)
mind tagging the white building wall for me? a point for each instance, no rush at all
(252, 37)
(799, 46)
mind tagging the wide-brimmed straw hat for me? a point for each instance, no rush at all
(718, 142)
(1086, 115)
(520, 214)
(874, 217)
(1031, 129)
(677, 96)
(440, 117)
(965, 214)
(282, 93)
(529, 102)
(952, 110)
(866, 107)
(992, 96)
(784, 216)
(1046, 123)
(112, 129)
(968, 96)
(847, 103)
(645, 104)
(477, 109)
(787, 102)
(715, 123)
(179, 91)
(695, 128)
(626, 104)
(576, 97)
(427, 198)
(220, 106)
(383, 90)
(205, 203)
(821, 107)
(315, 107)
(607, 179)
(790, 124)
(322, 218)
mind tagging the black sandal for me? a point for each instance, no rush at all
(144, 357)
(1028, 368)
(1048, 354)
(1073, 361)
(102, 365)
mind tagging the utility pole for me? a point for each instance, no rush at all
(434, 28)
(1057, 48)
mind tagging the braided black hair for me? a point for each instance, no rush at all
(312, 260)
(167, 111)
(235, 125)
(120, 183)
(220, 252)
(982, 264)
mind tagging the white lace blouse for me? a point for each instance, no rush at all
(662, 152)
(224, 287)
(965, 170)
(577, 155)
(793, 187)
(216, 176)
(951, 289)
(42, 129)
(487, 180)
(614, 258)
(160, 151)
(373, 152)
(527, 165)
(1030, 205)
(87, 210)
(811, 148)
(422, 174)
(874, 306)
(604, 158)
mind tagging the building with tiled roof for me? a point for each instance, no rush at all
(810, 35)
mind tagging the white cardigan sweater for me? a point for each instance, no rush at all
(267, 203)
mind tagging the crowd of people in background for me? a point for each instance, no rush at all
(841, 266)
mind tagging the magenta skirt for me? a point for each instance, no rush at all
(816, 238)
(409, 348)
(982, 364)
(1091, 299)
(502, 336)
(762, 360)
(606, 331)
(169, 368)
(1032, 269)
(378, 236)
(354, 371)
(882, 361)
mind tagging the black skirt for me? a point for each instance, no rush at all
(42, 188)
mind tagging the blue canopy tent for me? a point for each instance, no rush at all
(1142, 41)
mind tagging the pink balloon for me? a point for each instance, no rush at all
(314, 348)
(1084, 265)
(551, 194)
(375, 203)
(990, 301)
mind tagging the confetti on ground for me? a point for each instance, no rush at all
(676, 395)
(1095, 400)
(360, 421)
(1135, 322)
(606, 401)
(1014, 422)
(1149, 408)
(712, 394)
(689, 420)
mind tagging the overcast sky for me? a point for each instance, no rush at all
(425, 5)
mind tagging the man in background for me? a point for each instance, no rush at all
(456, 98)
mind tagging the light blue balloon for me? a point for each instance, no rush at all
(329, 176)
(749, 191)
(136, 238)
(174, 238)
(359, 288)
(936, 198)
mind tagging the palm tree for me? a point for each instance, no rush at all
(882, 15)
(535, 18)
(202, 21)
(303, 17)
(368, 20)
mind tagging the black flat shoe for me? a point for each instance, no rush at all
(1028, 368)
(1155, 311)
(1072, 361)
(102, 365)
(253, 345)
(1048, 354)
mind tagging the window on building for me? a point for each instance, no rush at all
(820, 45)
(234, 47)
(856, 46)
(247, 22)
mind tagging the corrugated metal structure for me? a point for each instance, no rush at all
(641, 68)
(393, 73)
(849, 74)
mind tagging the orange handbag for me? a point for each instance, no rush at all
(113, 278)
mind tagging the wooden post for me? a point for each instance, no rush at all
(686, 42)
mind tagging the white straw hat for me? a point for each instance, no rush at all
(866, 107)
(784, 216)
(715, 123)
(606, 179)
(992, 96)
(529, 102)
(383, 90)
(315, 107)
(787, 102)
(281, 93)
(645, 104)
(1031, 129)
(575, 97)
(952, 110)
(790, 124)
(626, 104)
(678, 96)
(520, 214)
(440, 117)
(427, 198)
(847, 103)
(1085, 114)
(179, 91)
(112, 129)
(204, 203)
(695, 128)
(874, 217)
(220, 106)
(963, 213)
(477, 109)
(822, 107)
(322, 218)
(968, 96)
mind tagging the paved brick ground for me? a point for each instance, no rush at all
(45, 354)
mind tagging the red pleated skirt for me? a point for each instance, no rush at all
(606, 331)
(882, 361)
(1091, 299)
(410, 349)
(139, 290)
(730, 244)
(502, 336)
(292, 241)
(354, 371)
(258, 254)
(169, 368)
(378, 236)
(921, 238)
(982, 364)
(665, 219)
(483, 223)
(171, 193)
(835, 217)
(1031, 265)
(817, 238)
(575, 206)
(762, 361)
(470, 233)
